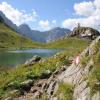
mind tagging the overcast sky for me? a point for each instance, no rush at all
(47, 14)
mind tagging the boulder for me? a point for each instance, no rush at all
(33, 60)
(26, 85)
(45, 74)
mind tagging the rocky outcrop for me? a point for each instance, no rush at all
(26, 85)
(77, 75)
(33, 60)
(85, 32)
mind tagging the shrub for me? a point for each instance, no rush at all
(66, 62)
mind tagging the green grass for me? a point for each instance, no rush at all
(84, 61)
(65, 91)
(95, 75)
(11, 39)
(68, 43)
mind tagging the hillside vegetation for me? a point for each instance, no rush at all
(67, 43)
(11, 39)
(14, 82)
(15, 76)
(14, 79)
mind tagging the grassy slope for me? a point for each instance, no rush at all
(11, 39)
(73, 47)
(95, 75)
(67, 43)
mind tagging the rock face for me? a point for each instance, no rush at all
(85, 32)
(76, 75)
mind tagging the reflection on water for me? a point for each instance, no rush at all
(13, 58)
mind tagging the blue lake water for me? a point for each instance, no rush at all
(13, 58)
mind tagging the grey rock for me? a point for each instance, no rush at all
(54, 98)
(50, 89)
(33, 60)
(12, 94)
(96, 96)
(85, 33)
(8, 98)
(26, 85)
(82, 92)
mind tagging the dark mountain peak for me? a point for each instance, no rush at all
(25, 30)
(1, 19)
(58, 28)
(24, 26)
(8, 22)
(2, 14)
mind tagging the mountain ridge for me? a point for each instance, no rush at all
(36, 35)
(11, 39)
(43, 36)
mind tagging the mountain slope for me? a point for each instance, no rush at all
(46, 36)
(67, 43)
(57, 33)
(8, 22)
(36, 35)
(11, 39)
